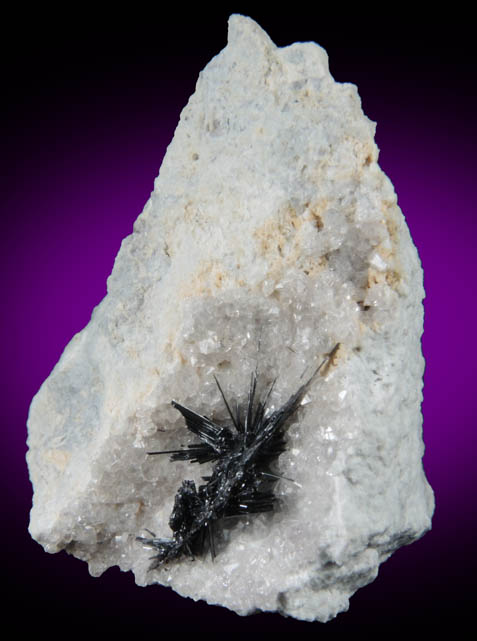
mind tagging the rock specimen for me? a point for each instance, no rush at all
(271, 236)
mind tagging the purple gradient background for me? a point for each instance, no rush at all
(87, 120)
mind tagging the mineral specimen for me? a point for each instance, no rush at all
(271, 236)
(241, 481)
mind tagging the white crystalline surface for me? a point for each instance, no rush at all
(271, 235)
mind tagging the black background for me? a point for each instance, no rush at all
(98, 59)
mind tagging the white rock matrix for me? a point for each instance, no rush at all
(271, 235)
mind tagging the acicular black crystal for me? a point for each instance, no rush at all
(241, 482)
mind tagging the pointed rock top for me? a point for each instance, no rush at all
(301, 59)
(242, 28)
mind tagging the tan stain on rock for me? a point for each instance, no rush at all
(392, 276)
(140, 508)
(315, 213)
(206, 281)
(279, 240)
(277, 232)
(375, 277)
(58, 458)
(389, 277)
(390, 212)
(337, 354)
(393, 279)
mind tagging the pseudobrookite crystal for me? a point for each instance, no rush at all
(271, 235)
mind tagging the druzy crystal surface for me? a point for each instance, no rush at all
(271, 235)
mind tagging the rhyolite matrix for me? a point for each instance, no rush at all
(271, 235)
